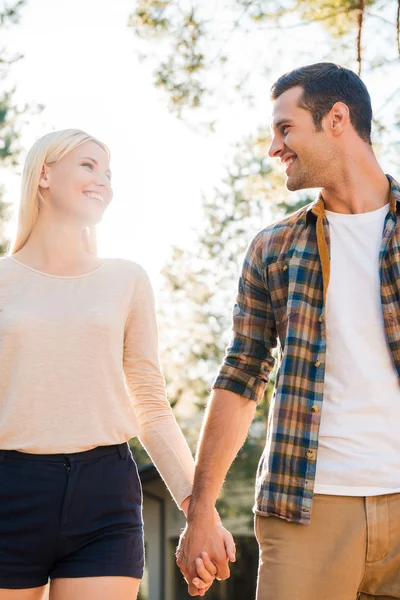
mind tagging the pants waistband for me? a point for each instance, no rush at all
(122, 449)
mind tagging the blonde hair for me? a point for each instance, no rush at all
(48, 149)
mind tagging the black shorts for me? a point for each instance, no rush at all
(69, 515)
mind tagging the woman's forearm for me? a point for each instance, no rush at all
(166, 445)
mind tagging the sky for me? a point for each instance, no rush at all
(81, 62)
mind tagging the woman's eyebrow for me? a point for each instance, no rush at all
(95, 162)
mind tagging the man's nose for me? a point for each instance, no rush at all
(276, 147)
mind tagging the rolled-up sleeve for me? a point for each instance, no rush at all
(248, 360)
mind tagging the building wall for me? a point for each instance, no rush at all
(162, 518)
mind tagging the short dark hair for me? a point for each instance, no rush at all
(323, 85)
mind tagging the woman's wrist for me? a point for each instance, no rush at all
(184, 506)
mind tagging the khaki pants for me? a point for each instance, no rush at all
(350, 551)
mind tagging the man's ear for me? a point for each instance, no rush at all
(44, 177)
(338, 118)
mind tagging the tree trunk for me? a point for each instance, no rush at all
(360, 17)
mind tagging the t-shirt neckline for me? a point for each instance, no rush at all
(365, 216)
(53, 275)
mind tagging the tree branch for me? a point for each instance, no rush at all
(11, 13)
(309, 22)
(360, 16)
(234, 28)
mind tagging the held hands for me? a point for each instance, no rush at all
(203, 552)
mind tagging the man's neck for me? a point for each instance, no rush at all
(362, 188)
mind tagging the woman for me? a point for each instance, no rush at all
(79, 377)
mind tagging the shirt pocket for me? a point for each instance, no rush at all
(278, 278)
(295, 287)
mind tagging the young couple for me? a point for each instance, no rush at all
(80, 376)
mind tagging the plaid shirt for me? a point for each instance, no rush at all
(281, 298)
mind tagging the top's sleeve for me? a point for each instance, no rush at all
(159, 432)
(248, 360)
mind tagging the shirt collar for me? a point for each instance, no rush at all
(317, 208)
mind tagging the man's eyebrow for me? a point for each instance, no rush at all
(280, 123)
(95, 162)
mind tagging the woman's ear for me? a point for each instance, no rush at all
(44, 177)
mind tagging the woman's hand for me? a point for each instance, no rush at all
(196, 565)
(206, 570)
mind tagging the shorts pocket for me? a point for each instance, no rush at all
(122, 485)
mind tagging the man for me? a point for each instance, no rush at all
(324, 284)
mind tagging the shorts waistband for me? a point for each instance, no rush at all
(122, 449)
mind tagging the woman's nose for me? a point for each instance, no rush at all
(103, 180)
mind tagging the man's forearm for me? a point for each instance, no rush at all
(224, 431)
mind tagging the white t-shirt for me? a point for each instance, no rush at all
(79, 366)
(359, 440)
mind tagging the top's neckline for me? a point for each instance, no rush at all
(51, 274)
(366, 216)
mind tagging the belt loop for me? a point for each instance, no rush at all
(123, 450)
(2, 456)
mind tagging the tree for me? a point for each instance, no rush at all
(199, 292)
(199, 45)
(10, 114)
(203, 53)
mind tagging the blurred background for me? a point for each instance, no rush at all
(179, 91)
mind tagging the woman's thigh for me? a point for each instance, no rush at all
(28, 594)
(93, 588)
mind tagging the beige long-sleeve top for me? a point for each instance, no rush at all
(79, 366)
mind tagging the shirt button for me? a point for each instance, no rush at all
(310, 453)
(285, 268)
(314, 408)
(317, 363)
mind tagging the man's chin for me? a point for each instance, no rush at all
(294, 185)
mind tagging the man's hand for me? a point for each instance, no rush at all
(224, 430)
(206, 540)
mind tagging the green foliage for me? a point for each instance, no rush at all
(10, 12)
(178, 73)
(9, 134)
(192, 50)
(193, 39)
(338, 16)
(11, 116)
(200, 283)
(149, 17)
(199, 292)
(139, 453)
